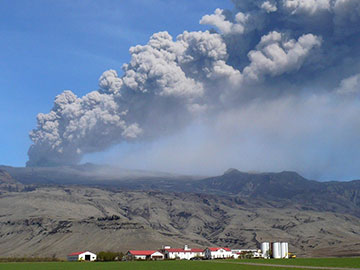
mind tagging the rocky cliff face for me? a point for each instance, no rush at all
(236, 209)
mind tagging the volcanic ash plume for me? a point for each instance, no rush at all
(259, 51)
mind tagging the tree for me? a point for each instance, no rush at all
(108, 256)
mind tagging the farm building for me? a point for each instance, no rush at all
(81, 256)
(185, 253)
(145, 255)
(217, 253)
(250, 253)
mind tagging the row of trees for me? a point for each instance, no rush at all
(108, 256)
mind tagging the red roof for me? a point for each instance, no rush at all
(142, 252)
(76, 253)
(217, 248)
(184, 250)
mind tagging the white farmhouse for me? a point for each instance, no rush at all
(185, 253)
(145, 255)
(81, 256)
(218, 253)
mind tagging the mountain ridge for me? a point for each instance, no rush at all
(235, 209)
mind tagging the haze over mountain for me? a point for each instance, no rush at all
(54, 216)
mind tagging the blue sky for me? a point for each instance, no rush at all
(49, 46)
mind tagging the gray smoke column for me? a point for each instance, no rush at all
(259, 51)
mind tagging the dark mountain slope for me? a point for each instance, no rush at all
(96, 175)
(287, 188)
(278, 189)
(283, 185)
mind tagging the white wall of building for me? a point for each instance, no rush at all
(83, 256)
(185, 253)
(140, 257)
(145, 255)
(256, 253)
(157, 255)
(218, 254)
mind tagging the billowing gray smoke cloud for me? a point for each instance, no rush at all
(260, 51)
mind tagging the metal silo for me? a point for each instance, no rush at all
(265, 249)
(276, 253)
(284, 250)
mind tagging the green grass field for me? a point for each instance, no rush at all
(184, 265)
(329, 262)
(164, 265)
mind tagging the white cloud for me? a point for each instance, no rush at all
(110, 83)
(269, 7)
(225, 26)
(154, 69)
(162, 86)
(205, 57)
(275, 54)
(349, 85)
(310, 7)
(75, 126)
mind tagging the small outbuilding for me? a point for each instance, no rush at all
(81, 256)
(145, 255)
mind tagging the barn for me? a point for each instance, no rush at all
(81, 256)
(145, 255)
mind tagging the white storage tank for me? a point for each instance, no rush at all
(276, 252)
(265, 249)
(284, 250)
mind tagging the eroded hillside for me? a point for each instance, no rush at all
(59, 220)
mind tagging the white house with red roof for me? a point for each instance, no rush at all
(81, 256)
(145, 255)
(218, 253)
(185, 253)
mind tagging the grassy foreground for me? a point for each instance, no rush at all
(328, 262)
(159, 265)
(181, 265)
